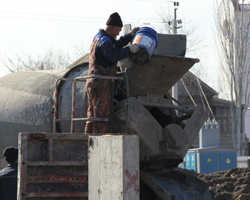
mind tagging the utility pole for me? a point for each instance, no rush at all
(174, 32)
(175, 22)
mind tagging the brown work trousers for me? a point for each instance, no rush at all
(99, 99)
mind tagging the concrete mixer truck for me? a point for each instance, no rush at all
(53, 151)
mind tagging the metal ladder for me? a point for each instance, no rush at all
(84, 79)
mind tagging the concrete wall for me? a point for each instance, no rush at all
(114, 167)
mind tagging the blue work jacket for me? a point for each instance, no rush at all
(108, 50)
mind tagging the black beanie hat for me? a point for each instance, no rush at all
(10, 154)
(114, 20)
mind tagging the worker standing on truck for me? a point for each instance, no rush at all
(105, 52)
(8, 175)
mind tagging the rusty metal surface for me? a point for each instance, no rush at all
(26, 102)
(72, 118)
(158, 142)
(53, 166)
(171, 45)
(65, 101)
(157, 76)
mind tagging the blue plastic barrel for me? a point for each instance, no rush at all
(147, 39)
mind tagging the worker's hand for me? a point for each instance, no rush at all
(133, 32)
(134, 48)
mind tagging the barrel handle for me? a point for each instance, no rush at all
(147, 25)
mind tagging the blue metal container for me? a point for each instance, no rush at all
(211, 159)
(147, 39)
(193, 161)
(227, 160)
(209, 162)
(187, 161)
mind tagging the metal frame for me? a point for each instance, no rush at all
(33, 175)
(73, 118)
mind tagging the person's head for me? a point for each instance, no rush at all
(114, 25)
(10, 154)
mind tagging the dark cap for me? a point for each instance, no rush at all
(114, 20)
(10, 154)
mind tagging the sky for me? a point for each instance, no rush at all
(32, 27)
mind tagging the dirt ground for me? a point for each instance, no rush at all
(233, 184)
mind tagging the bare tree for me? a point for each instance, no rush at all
(52, 59)
(194, 42)
(233, 45)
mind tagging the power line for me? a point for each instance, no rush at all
(44, 19)
(82, 19)
(69, 16)
(165, 1)
(51, 15)
(68, 20)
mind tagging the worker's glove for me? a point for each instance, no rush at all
(134, 48)
(133, 32)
